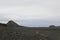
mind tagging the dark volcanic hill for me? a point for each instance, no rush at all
(13, 24)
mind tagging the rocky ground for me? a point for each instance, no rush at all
(12, 31)
(14, 34)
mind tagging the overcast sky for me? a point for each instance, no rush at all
(31, 12)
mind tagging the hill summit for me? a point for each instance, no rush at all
(12, 24)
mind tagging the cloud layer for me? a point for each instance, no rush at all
(45, 10)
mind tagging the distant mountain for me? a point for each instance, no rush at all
(15, 25)
(12, 24)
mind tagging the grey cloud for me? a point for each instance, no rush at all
(48, 10)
